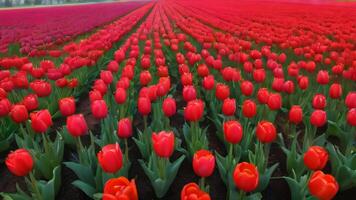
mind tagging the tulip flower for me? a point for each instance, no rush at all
(203, 163)
(233, 131)
(120, 96)
(246, 176)
(208, 82)
(106, 76)
(67, 106)
(246, 88)
(229, 107)
(315, 158)
(163, 143)
(120, 188)
(110, 158)
(295, 114)
(194, 110)
(145, 78)
(99, 109)
(19, 162)
(274, 101)
(249, 108)
(144, 106)
(322, 77)
(95, 95)
(266, 132)
(41, 121)
(189, 93)
(335, 91)
(77, 125)
(41, 88)
(350, 100)
(169, 107)
(263, 95)
(31, 102)
(319, 101)
(5, 107)
(124, 128)
(351, 117)
(19, 113)
(222, 91)
(318, 118)
(191, 191)
(322, 186)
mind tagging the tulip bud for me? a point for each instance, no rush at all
(189, 93)
(208, 82)
(77, 125)
(67, 106)
(274, 101)
(323, 186)
(318, 118)
(95, 95)
(315, 158)
(110, 158)
(319, 101)
(203, 163)
(263, 95)
(99, 109)
(124, 128)
(222, 91)
(322, 77)
(350, 100)
(266, 132)
(295, 114)
(335, 91)
(144, 106)
(19, 162)
(246, 176)
(249, 108)
(120, 96)
(5, 107)
(246, 88)
(106, 76)
(351, 117)
(229, 107)
(169, 107)
(145, 78)
(194, 110)
(19, 113)
(233, 131)
(41, 121)
(30, 102)
(163, 143)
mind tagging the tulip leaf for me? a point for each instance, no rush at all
(254, 196)
(83, 172)
(265, 177)
(295, 189)
(5, 143)
(86, 188)
(344, 177)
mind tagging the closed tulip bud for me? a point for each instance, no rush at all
(110, 158)
(99, 109)
(99, 85)
(113, 66)
(106, 76)
(350, 100)
(288, 87)
(208, 82)
(295, 114)
(169, 107)
(194, 110)
(67, 106)
(120, 96)
(186, 79)
(31, 102)
(322, 186)
(152, 92)
(315, 158)
(277, 84)
(351, 117)
(203, 70)
(318, 118)
(303, 83)
(319, 101)
(246, 176)
(41, 121)
(246, 88)
(192, 191)
(77, 125)
(124, 128)
(249, 108)
(95, 95)
(229, 107)
(266, 132)
(19, 162)
(335, 91)
(189, 93)
(144, 106)
(61, 83)
(263, 95)
(203, 163)
(163, 143)
(274, 101)
(222, 91)
(5, 107)
(41, 88)
(120, 188)
(145, 78)
(259, 75)
(323, 77)
(19, 113)
(232, 131)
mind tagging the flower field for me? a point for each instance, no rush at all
(179, 99)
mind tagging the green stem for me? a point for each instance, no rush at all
(126, 150)
(242, 195)
(145, 121)
(162, 167)
(34, 185)
(202, 184)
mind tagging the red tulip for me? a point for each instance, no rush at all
(315, 158)
(120, 188)
(163, 143)
(229, 107)
(266, 132)
(203, 163)
(120, 96)
(222, 91)
(67, 106)
(152, 92)
(350, 100)
(145, 78)
(113, 66)
(208, 82)
(249, 108)
(335, 91)
(246, 176)
(99, 109)
(31, 102)
(318, 118)
(323, 186)
(41, 121)
(259, 75)
(295, 114)
(99, 85)
(20, 80)
(192, 191)
(351, 117)
(189, 93)
(186, 79)
(19, 162)
(263, 95)
(288, 87)
(246, 88)
(19, 113)
(319, 101)
(233, 131)
(144, 106)
(61, 83)
(124, 128)
(3, 94)
(203, 70)
(5, 107)
(322, 77)
(106, 76)
(95, 95)
(41, 88)
(110, 158)
(169, 107)
(77, 125)
(303, 83)
(274, 101)
(194, 110)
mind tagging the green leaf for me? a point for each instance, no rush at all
(255, 196)
(83, 172)
(264, 179)
(87, 189)
(295, 189)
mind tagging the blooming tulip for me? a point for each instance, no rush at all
(99, 109)
(229, 107)
(110, 158)
(194, 110)
(246, 176)
(323, 186)
(77, 125)
(319, 101)
(163, 143)
(274, 101)
(192, 191)
(31, 102)
(232, 131)
(266, 132)
(120, 188)
(41, 121)
(315, 158)
(67, 106)
(144, 106)
(203, 163)
(249, 108)
(318, 118)
(169, 107)
(19, 113)
(295, 114)
(124, 128)
(19, 162)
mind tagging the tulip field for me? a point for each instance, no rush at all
(179, 99)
